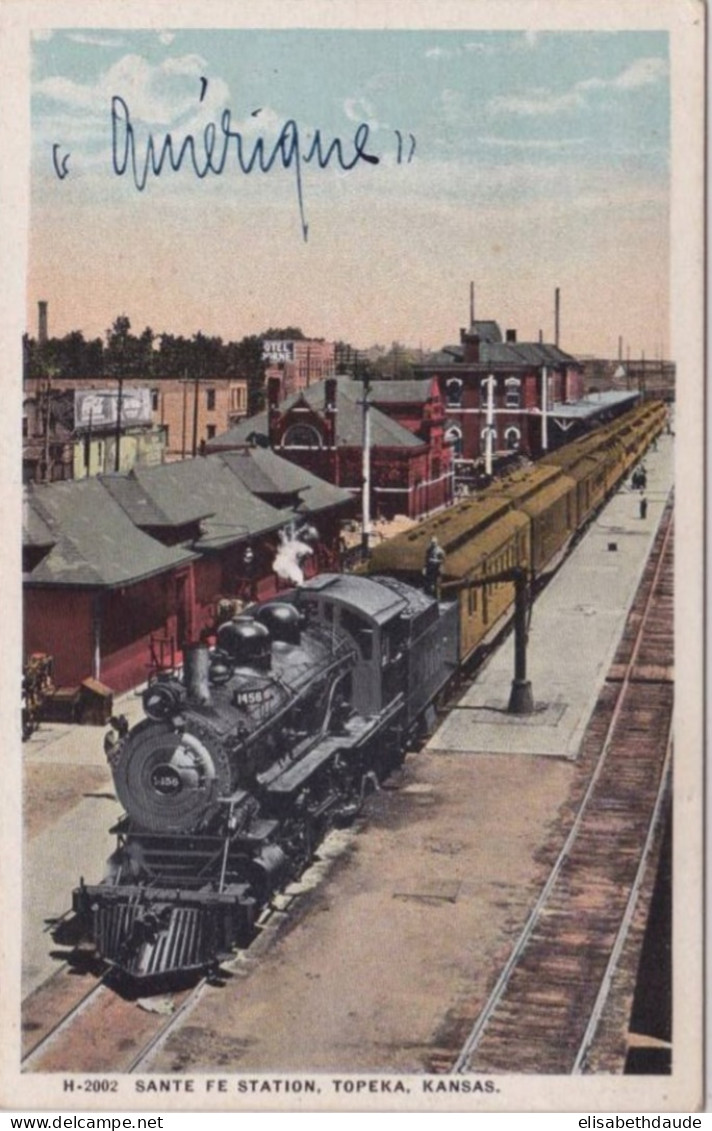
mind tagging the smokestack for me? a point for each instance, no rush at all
(541, 337)
(557, 304)
(620, 348)
(196, 665)
(42, 327)
(472, 305)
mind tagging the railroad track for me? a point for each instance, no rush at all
(544, 1010)
(104, 1032)
(71, 1029)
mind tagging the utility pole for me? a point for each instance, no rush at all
(489, 426)
(47, 406)
(544, 409)
(119, 409)
(185, 409)
(196, 394)
(366, 471)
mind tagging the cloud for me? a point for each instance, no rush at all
(646, 71)
(159, 95)
(642, 72)
(531, 143)
(477, 47)
(361, 110)
(539, 102)
(95, 40)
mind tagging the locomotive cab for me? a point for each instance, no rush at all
(369, 612)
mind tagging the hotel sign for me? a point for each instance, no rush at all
(276, 351)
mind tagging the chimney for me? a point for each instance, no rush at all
(541, 337)
(471, 343)
(330, 387)
(557, 305)
(511, 335)
(42, 327)
(274, 387)
(472, 306)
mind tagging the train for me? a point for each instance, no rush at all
(280, 725)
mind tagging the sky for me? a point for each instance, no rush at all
(522, 161)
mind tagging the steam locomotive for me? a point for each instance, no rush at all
(283, 727)
(238, 768)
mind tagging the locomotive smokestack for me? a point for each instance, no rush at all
(42, 323)
(195, 672)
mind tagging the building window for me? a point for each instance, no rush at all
(301, 436)
(512, 438)
(453, 391)
(155, 402)
(210, 399)
(453, 436)
(211, 431)
(513, 392)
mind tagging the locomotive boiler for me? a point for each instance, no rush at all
(245, 759)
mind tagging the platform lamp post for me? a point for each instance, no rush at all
(521, 699)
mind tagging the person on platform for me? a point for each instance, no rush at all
(434, 559)
(643, 505)
(119, 729)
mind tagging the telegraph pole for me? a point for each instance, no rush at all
(119, 409)
(366, 470)
(489, 426)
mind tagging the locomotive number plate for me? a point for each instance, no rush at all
(166, 780)
(253, 697)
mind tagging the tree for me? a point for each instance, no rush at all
(289, 333)
(245, 362)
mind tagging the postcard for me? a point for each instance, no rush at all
(352, 691)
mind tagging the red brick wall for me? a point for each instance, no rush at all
(61, 625)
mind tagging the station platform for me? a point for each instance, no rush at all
(575, 627)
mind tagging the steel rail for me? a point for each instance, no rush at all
(622, 933)
(461, 1064)
(64, 1022)
(166, 1028)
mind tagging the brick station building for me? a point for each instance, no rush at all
(528, 378)
(321, 429)
(120, 571)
